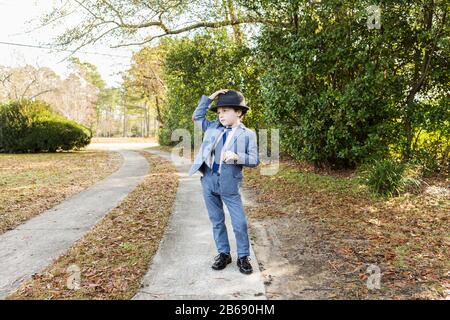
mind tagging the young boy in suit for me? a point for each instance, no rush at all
(227, 146)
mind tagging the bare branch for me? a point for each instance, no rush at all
(28, 87)
(91, 41)
(127, 17)
(42, 92)
(216, 24)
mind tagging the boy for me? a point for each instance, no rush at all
(227, 146)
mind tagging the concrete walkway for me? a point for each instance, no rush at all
(121, 145)
(181, 268)
(33, 245)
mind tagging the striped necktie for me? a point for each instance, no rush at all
(218, 150)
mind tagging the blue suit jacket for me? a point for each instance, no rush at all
(243, 143)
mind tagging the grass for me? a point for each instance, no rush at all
(114, 255)
(33, 183)
(320, 182)
(122, 139)
(161, 148)
(406, 236)
(170, 149)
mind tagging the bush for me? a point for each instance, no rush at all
(201, 65)
(336, 91)
(31, 126)
(388, 177)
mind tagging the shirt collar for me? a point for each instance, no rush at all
(240, 125)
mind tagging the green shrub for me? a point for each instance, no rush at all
(201, 65)
(31, 126)
(388, 177)
(337, 93)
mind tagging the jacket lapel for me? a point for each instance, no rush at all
(240, 130)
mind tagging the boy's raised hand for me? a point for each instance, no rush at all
(216, 94)
(213, 97)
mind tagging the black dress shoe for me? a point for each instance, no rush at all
(221, 261)
(244, 265)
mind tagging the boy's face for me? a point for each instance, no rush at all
(228, 116)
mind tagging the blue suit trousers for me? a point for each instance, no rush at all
(214, 200)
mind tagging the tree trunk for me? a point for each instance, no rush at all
(233, 17)
(420, 77)
(124, 134)
(158, 111)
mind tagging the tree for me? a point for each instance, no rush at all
(144, 86)
(123, 21)
(342, 92)
(73, 97)
(27, 82)
(202, 65)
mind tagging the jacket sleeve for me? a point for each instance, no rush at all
(251, 157)
(199, 115)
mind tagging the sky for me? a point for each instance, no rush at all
(18, 19)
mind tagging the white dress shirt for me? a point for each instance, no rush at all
(227, 142)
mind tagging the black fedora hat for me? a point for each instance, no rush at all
(231, 98)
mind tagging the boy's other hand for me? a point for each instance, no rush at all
(229, 155)
(213, 97)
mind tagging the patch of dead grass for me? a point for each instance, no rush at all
(406, 236)
(33, 183)
(114, 256)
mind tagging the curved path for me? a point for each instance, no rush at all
(181, 268)
(33, 245)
